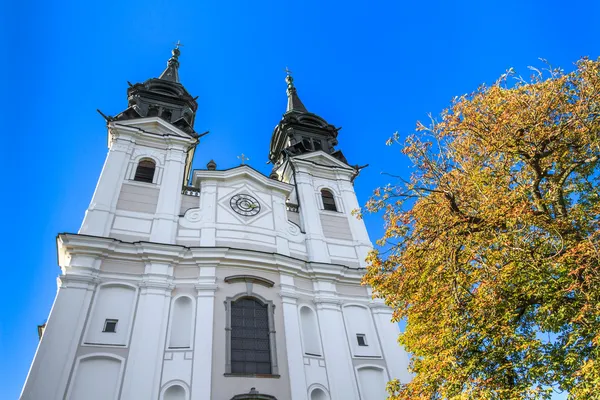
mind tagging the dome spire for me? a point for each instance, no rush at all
(171, 73)
(294, 102)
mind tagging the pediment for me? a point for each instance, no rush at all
(153, 125)
(242, 172)
(324, 159)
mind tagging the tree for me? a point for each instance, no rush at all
(491, 251)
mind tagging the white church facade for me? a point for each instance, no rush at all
(215, 284)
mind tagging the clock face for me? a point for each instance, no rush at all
(244, 204)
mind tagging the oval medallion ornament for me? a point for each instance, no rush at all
(244, 204)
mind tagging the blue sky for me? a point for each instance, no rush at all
(372, 67)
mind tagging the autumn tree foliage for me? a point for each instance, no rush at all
(491, 251)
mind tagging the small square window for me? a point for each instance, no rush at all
(362, 339)
(110, 325)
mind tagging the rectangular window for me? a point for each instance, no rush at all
(110, 325)
(362, 339)
(250, 337)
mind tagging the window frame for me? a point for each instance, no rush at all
(110, 321)
(364, 339)
(144, 175)
(327, 205)
(272, 335)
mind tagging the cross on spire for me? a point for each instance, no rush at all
(178, 44)
(243, 158)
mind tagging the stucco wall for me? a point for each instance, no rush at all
(138, 197)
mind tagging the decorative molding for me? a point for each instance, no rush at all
(243, 171)
(117, 250)
(249, 279)
(253, 394)
(293, 229)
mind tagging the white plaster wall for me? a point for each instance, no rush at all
(55, 355)
(358, 321)
(96, 378)
(372, 381)
(396, 357)
(112, 301)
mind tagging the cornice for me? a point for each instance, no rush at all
(172, 254)
(153, 129)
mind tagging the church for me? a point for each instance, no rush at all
(216, 284)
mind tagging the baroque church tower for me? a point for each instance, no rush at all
(215, 284)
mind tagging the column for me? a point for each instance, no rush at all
(55, 355)
(145, 361)
(396, 358)
(100, 213)
(340, 370)
(164, 227)
(293, 341)
(203, 340)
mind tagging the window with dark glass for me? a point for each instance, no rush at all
(250, 348)
(145, 171)
(328, 200)
(110, 325)
(361, 339)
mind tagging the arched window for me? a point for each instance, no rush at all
(145, 171)
(310, 332)
(250, 347)
(181, 323)
(328, 200)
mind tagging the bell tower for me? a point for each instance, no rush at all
(151, 142)
(303, 153)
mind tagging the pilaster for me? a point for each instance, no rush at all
(164, 227)
(340, 370)
(203, 340)
(357, 226)
(142, 374)
(208, 204)
(309, 209)
(293, 339)
(100, 213)
(281, 224)
(396, 357)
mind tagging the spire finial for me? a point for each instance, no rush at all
(294, 102)
(288, 78)
(171, 73)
